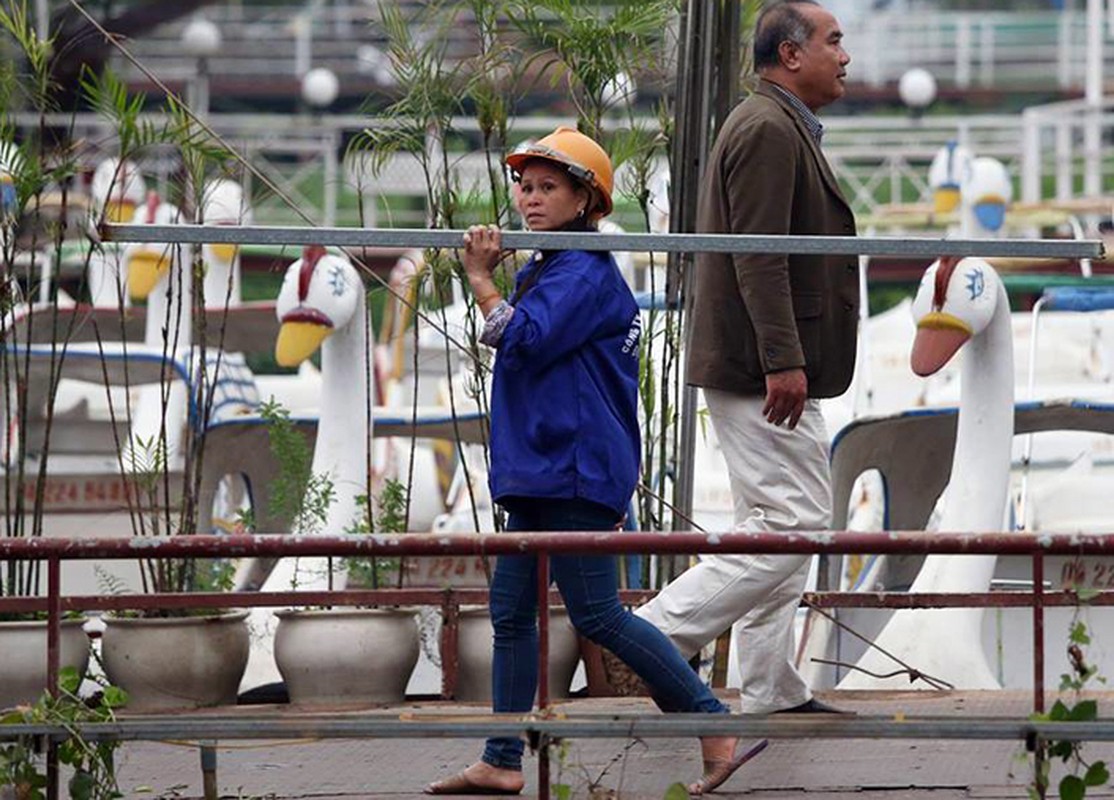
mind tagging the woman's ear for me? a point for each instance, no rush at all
(585, 199)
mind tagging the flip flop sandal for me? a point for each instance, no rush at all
(718, 771)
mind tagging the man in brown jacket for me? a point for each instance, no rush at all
(770, 334)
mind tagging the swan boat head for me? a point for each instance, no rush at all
(319, 296)
(117, 190)
(988, 194)
(148, 264)
(955, 301)
(949, 172)
(223, 203)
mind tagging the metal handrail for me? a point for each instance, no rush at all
(905, 247)
(54, 551)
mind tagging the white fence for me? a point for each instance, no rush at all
(1030, 50)
(1055, 152)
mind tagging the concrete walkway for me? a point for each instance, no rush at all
(819, 769)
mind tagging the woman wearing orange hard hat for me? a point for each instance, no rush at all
(565, 447)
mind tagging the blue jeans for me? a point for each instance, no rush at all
(589, 586)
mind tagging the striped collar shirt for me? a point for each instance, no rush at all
(812, 122)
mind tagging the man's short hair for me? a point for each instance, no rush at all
(780, 22)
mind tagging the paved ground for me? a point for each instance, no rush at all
(819, 769)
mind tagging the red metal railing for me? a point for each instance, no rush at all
(54, 551)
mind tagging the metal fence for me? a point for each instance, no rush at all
(543, 730)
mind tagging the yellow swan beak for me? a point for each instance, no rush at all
(939, 336)
(145, 269)
(297, 341)
(945, 199)
(224, 252)
(119, 210)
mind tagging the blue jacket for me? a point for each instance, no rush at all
(564, 405)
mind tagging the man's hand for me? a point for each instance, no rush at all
(786, 392)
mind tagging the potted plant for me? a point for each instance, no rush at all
(33, 199)
(353, 654)
(322, 307)
(172, 657)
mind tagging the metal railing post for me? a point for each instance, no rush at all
(543, 670)
(1038, 632)
(450, 643)
(209, 770)
(53, 657)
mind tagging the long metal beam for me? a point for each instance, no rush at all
(411, 597)
(419, 726)
(895, 247)
(425, 544)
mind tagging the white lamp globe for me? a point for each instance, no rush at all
(320, 87)
(370, 60)
(201, 38)
(619, 90)
(917, 88)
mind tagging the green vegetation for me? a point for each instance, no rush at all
(93, 762)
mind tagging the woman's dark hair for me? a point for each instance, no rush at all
(781, 22)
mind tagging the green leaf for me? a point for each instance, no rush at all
(677, 791)
(1097, 774)
(562, 791)
(1072, 788)
(1059, 712)
(13, 718)
(1084, 711)
(114, 697)
(69, 680)
(1062, 750)
(1079, 634)
(82, 785)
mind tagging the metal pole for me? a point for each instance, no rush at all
(915, 248)
(1093, 88)
(450, 644)
(710, 60)
(54, 623)
(543, 670)
(489, 544)
(209, 770)
(53, 656)
(1038, 633)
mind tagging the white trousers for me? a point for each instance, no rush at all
(780, 480)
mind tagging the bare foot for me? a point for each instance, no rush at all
(717, 748)
(480, 778)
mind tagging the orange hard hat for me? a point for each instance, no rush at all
(585, 161)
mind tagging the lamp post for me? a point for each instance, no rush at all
(320, 87)
(201, 38)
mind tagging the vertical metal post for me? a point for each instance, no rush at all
(54, 623)
(332, 145)
(963, 52)
(53, 656)
(1038, 632)
(709, 58)
(1030, 156)
(450, 649)
(209, 770)
(543, 670)
(543, 767)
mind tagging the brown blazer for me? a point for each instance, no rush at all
(760, 313)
